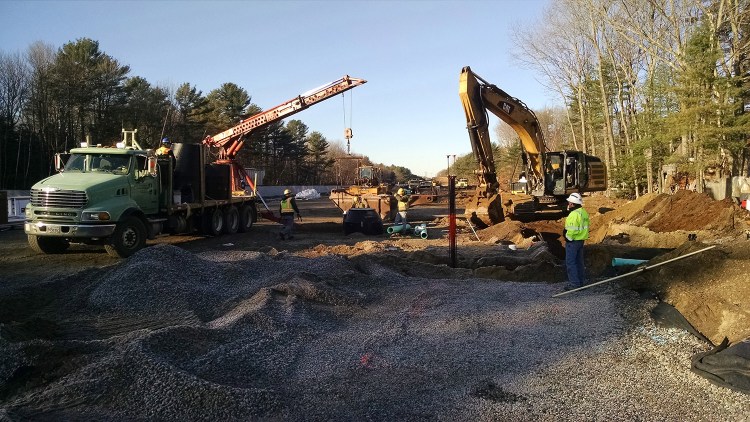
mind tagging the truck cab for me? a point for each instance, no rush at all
(96, 188)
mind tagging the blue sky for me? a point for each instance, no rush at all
(410, 52)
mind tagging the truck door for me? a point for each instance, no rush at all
(145, 187)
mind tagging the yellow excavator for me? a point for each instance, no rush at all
(550, 176)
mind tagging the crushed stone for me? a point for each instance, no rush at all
(238, 335)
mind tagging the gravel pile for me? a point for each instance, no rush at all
(170, 335)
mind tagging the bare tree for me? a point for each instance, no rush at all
(14, 87)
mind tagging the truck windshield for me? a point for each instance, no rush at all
(109, 163)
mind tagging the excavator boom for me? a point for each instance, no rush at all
(479, 96)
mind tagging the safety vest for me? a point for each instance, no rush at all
(577, 224)
(286, 206)
(359, 202)
(162, 151)
(403, 202)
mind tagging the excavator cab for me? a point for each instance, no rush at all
(368, 176)
(566, 172)
(554, 179)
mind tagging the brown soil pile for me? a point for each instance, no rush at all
(654, 220)
(710, 289)
(667, 220)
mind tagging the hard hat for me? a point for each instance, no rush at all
(575, 198)
(400, 191)
(165, 141)
(287, 191)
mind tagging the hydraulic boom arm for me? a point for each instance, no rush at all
(231, 140)
(478, 96)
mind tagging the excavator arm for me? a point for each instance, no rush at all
(231, 140)
(479, 96)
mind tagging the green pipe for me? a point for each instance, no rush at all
(397, 228)
(617, 262)
(421, 231)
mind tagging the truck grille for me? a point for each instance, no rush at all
(58, 199)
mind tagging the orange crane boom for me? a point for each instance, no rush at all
(231, 140)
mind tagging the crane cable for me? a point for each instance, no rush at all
(347, 128)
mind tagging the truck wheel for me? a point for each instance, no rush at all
(43, 244)
(129, 237)
(247, 216)
(213, 222)
(231, 220)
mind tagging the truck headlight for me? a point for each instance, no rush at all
(95, 216)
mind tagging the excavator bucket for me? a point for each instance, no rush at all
(484, 212)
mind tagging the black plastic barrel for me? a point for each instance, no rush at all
(187, 171)
(363, 220)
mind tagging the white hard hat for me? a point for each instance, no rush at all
(287, 191)
(575, 198)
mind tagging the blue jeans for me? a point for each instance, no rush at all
(574, 263)
(400, 218)
(287, 221)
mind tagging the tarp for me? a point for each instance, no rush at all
(307, 194)
(726, 366)
(667, 315)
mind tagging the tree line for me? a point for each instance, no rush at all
(52, 99)
(649, 86)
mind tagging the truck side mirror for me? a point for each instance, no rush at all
(60, 160)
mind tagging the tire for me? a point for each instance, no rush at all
(247, 217)
(213, 222)
(231, 220)
(48, 245)
(129, 237)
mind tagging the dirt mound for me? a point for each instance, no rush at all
(685, 210)
(714, 298)
(666, 220)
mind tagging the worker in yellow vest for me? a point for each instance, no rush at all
(403, 206)
(576, 232)
(287, 208)
(165, 148)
